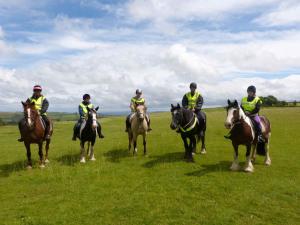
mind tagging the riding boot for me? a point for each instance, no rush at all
(259, 133)
(148, 123)
(99, 131)
(47, 128)
(127, 124)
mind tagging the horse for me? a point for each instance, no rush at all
(138, 127)
(32, 130)
(88, 133)
(242, 132)
(189, 127)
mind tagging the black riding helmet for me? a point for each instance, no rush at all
(193, 85)
(86, 96)
(252, 89)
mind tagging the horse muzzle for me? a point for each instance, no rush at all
(228, 125)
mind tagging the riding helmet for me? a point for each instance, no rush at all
(85, 96)
(193, 85)
(138, 91)
(252, 89)
(37, 88)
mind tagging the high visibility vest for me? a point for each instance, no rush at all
(192, 100)
(38, 103)
(84, 108)
(250, 106)
(140, 101)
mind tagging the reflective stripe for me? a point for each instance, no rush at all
(192, 100)
(140, 101)
(191, 127)
(84, 108)
(250, 106)
(38, 103)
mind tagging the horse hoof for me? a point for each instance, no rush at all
(82, 160)
(42, 166)
(93, 159)
(29, 167)
(203, 151)
(47, 161)
(249, 169)
(193, 153)
(235, 167)
(268, 162)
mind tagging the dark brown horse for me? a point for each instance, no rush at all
(242, 132)
(32, 131)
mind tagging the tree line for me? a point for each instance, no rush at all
(271, 100)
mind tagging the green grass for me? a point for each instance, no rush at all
(159, 189)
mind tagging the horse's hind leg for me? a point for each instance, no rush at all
(267, 158)
(47, 150)
(28, 152)
(134, 146)
(145, 144)
(129, 140)
(42, 163)
(82, 157)
(248, 167)
(235, 164)
(253, 153)
(92, 156)
(203, 149)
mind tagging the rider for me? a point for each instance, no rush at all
(193, 100)
(83, 113)
(41, 105)
(251, 106)
(134, 102)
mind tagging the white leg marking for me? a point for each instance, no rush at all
(92, 157)
(82, 158)
(249, 167)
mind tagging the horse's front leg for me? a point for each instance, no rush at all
(134, 139)
(28, 152)
(145, 144)
(82, 157)
(248, 167)
(267, 148)
(42, 163)
(186, 146)
(47, 150)
(191, 148)
(235, 164)
(203, 149)
(129, 140)
(92, 156)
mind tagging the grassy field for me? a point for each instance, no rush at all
(158, 189)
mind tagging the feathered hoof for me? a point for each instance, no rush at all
(203, 151)
(28, 167)
(47, 160)
(249, 169)
(235, 167)
(42, 166)
(268, 162)
(82, 160)
(93, 159)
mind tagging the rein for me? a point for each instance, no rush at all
(184, 129)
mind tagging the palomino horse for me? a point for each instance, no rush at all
(242, 132)
(138, 127)
(32, 131)
(190, 128)
(88, 133)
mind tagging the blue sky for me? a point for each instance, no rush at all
(110, 48)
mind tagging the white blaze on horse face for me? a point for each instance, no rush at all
(229, 118)
(29, 117)
(94, 120)
(173, 122)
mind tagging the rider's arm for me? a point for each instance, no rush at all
(257, 108)
(81, 113)
(199, 103)
(185, 102)
(132, 106)
(45, 106)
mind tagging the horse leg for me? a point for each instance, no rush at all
(29, 162)
(248, 167)
(145, 143)
(82, 157)
(134, 145)
(267, 158)
(47, 149)
(92, 156)
(129, 140)
(185, 147)
(88, 148)
(203, 149)
(235, 164)
(190, 149)
(253, 153)
(42, 163)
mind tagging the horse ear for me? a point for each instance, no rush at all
(97, 108)
(229, 102)
(23, 103)
(172, 106)
(235, 103)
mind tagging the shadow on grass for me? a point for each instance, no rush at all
(7, 169)
(211, 168)
(69, 159)
(116, 155)
(166, 158)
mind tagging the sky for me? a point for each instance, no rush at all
(110, 48)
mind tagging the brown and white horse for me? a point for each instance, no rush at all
(32, 131)
(138, 127)
(242, 132)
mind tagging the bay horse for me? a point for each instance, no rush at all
(88, 133)
(189, 127)
(138, 127)
(32, 130)
(242, 132)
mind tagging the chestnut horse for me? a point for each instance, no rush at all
(242, 132)
(138, 127)
(32, 129)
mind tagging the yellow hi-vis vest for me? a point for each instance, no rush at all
(250, 106)
(38, 103)
(84, 108)
(140, 101)
(192, 100)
